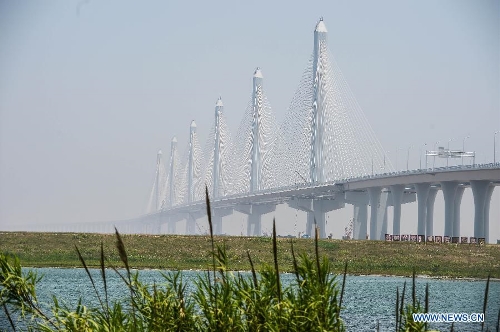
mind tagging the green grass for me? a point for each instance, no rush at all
(193, 252)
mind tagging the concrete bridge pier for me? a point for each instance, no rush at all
(255, 212)
(190, 224)
(378, 213)
(489, 193)
(162, 217)
(482, 197)
(191, 221)
(422, 190)
(321, 207)
(172, 220)
(359, 200)
(305, 205)
(449, 191)
(397, 198)
(429, 216)
(360, 222)
(456, 212)
(217, 216)
(316, 211)
(171, 224)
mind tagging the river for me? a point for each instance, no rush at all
(367, 299)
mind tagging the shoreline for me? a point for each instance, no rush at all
(192, 253)
(418, 276)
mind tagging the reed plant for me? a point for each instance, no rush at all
(404, 314)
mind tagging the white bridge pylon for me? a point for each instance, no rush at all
(325, 135)
(254, 143)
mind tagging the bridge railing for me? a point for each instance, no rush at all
(304, 185)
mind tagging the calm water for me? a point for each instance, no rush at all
(368, 299)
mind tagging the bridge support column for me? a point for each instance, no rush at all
(360, 201)
(429, 216)
(191, 221)
(374, 194)
(489, 193)
(254, 224)
(422, 196)
(449, 191)
(456, 212)
(397, 197)
(378, 213)
(305, 205)
(217, 216)
(321, 207)
(360, 222)
(161, 220)
(482, 196)
(316, 211)
(190, 224)
(171, 223)
(255, 213)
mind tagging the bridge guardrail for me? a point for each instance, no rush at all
(340, 181)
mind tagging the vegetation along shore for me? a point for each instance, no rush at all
(193, 252)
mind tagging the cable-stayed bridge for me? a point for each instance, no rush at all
(323, 156)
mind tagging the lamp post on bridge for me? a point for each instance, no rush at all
(425, 145)
(387, 152)
(463, 148)
(434, 160)
(448, 153)
(495, 146)
(408, 158)
(397, 150)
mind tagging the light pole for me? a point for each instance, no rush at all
(448, 152)
(425, 145)
(397, 150)
(434, 159)
(495, 146)
(408, 158)
(463, 148)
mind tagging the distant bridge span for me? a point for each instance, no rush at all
(377, 191)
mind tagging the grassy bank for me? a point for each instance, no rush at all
(193, 252)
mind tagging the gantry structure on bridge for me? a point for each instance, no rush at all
(324, 155)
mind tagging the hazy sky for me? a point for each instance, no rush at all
(90, 90)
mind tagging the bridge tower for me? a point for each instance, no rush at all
(316, 161)
(171, 189)
(192, 133)
(219, 107)
(255, 211)
(171, 172)
(191, 220)
(257, 107)
(317, 213)
(158, 191)
(159, 195)
(216, 171)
